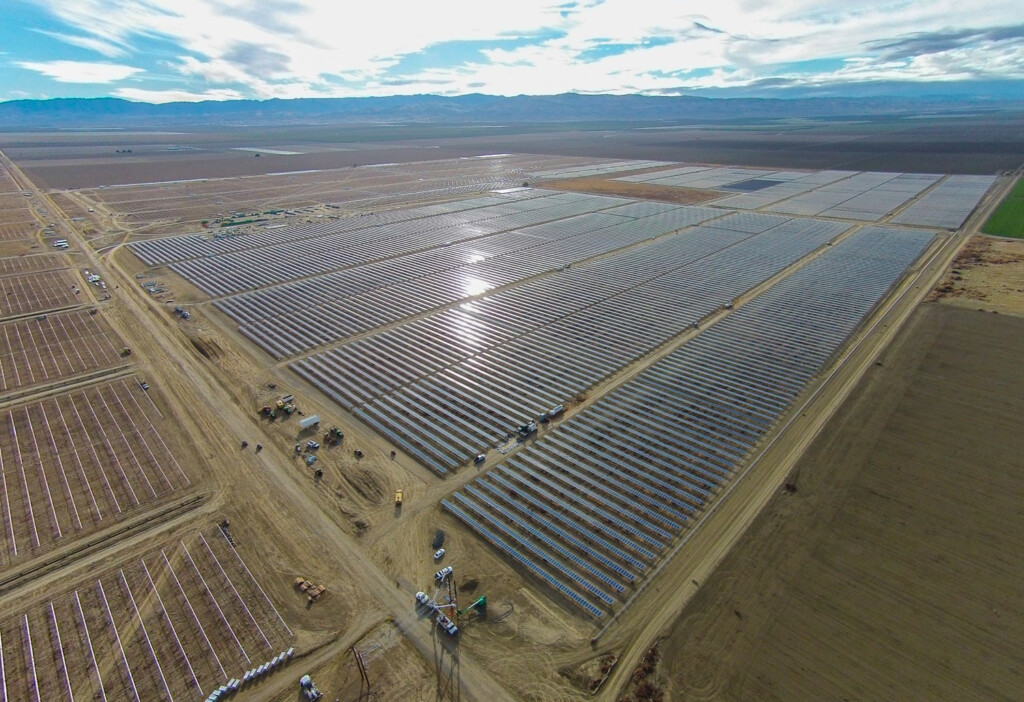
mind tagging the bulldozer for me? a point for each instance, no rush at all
(333, 436)
(312, 591)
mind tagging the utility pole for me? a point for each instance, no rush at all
(364, 678)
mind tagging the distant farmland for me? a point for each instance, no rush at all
(1008, 220)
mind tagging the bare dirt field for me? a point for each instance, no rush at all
(963, 144)
(216, 203)
(987, 274)
(19, 247)
(85, 459)
(171, 623)
(24, 264)
(643, 191)
(44, 351)
(36, 292)
(891, 571)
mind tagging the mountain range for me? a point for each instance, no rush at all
(571, 107)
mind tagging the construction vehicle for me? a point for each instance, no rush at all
(526, 429)
(398, 498)
(447, 625)
(309, 688)
(546, 417)
(443, 574)
(126, 351)
(312, 591)
(480, 606)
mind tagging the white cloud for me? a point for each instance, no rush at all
(100, 46)
(161, 96)
(291, 48)
(80, 71)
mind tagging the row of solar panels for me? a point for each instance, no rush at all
(244, 270)
(593, 502)
(457, 404)
(180, 248)
(441, 280)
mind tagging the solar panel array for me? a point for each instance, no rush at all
(447, 386)
(155, 252)
(597, 169)
(949, 204)
(244, 270)
(289, 319)
(861, 196)
(804, 182)
(591, 505)
(705, 178)
(883, 199)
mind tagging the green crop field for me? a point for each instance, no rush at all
(1008, 220)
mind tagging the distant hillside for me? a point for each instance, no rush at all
(113, 112)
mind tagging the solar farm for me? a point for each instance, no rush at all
(452, 329)
(79, 460)
(170, 625)
(209, 399)
(591, 505)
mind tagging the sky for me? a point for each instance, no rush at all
(190, 50)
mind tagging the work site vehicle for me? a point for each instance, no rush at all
(309, 688)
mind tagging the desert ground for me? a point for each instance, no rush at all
(868, 546)
(887, 572)
(982, 143)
